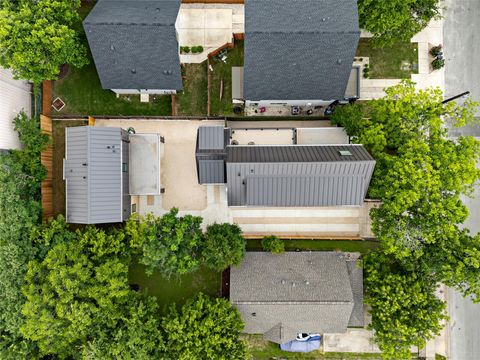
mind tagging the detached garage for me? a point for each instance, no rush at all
(15, 95)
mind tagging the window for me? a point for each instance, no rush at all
(134, 208)
(345, 153)
(125, 167)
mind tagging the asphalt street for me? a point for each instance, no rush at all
(462, 66)
(462, 47)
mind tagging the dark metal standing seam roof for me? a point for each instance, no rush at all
(210, 154)
(134, 45)
(296, 153)
(299, 49)
(298, 175)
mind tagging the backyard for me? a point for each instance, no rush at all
(221, 101)
(193, 99)
(395, 62)
(176, 291)
(83, 95)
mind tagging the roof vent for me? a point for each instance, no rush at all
(345, 153)
(339, 61)
(112, 47)
(167, 72)
(134, 71)
(323, 19)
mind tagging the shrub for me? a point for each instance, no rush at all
(223, 245)
(273, 244)
(436, 50)
(438, 63)
(197, 49)
(184, 49)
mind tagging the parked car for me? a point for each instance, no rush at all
(305, 336)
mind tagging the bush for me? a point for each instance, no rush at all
(436, 50)
(438, 63)
(223, 245)
(273, 244)
(184, 49)
(197, 49)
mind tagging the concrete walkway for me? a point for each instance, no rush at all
(208, 25)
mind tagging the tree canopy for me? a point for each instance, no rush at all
(420, 178)
(405, 310)
(396, 20)
(21, 173)
(223, 245)
(204, 328)
(169, 244)
(36, 37)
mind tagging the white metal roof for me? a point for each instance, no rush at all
(15, 95)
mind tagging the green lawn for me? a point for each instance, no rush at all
(386, 62)
(193, 99)
(223, 71)
(264, 350)
(362, 246)
(175, 290)
(83, 95)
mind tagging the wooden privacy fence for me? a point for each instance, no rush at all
(47, 161)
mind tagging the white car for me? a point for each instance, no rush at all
(305, 336)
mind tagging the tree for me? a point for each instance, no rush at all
(223, 245)
(396, 20)
(21, 173)
(420, 178)
(273, 244)
(72, 294)
(136, 335)
(169, 244)
(405, 310)
(36, 37)
(204, 328)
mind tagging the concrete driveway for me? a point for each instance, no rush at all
(462, 47)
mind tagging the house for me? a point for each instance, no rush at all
(290, 175)
(106, 169)
(16, 96)
(280, 295)
(134, 45)
(96, 175)
(299, 52)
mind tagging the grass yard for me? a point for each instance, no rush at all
(362, 246)
(223, 71)
(193, 99)
(83, 95)
(265, 350)
(176, 291)
(386, 62)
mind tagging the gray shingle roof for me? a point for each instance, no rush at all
(299, 49)
(296, 153)
(134, 45)
(280, 295)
